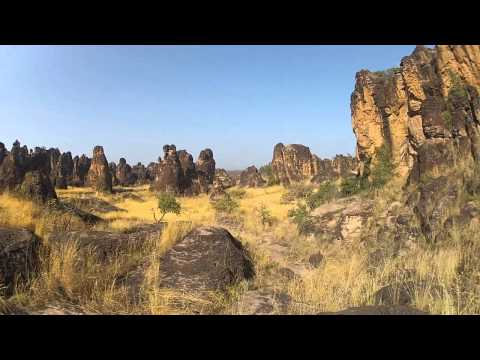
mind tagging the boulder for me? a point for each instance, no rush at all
(251, 178)
(207, 259)
(18, 256)
(99, 176)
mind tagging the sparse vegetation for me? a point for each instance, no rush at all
(226, 205)
(326, 191)
(167, 204)
(302, 218)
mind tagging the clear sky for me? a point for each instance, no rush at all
(237, 100)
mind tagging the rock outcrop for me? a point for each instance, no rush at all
(251, 177)
(205, 167)
(426, 113)
(207, 259)
(26, 173)
(168, 171)
(124, 174)
(295, 163)
(141, 174)
(18, 257)
(177, 172)
(222, 177)
(188, 177)
(99, 176)
(64, 171)
(81, 165)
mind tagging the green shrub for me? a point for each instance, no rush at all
(325, 192)
(302, 218)
(353, 185)
(237, 193)
(167, 204)
(267, 173)
(226, 205)
(447, 119)
(382, 171)
(299, 191)
(265, 215)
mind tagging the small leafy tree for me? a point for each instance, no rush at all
(353, 185)
(265, 215)
(167, 203)
(382, 170)
(226, 205)
(325, 192)
(302, 218)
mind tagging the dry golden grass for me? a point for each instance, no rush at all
(442, 278)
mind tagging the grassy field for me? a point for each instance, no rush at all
(440, 279)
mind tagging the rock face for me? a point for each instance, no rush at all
(64, 171)
(99, 176)
(426, 112)
(295, 163)
(26, 173)
(3, 152)
(206, 165)
(124, 174)
(81, 165)
(207, 259)
(141, 174)
(18, 256)
(222, 177)
(168, 172)
(251, 178)
(188, 177)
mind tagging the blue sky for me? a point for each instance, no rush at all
(238, 100)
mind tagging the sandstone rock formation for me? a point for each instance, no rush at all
(207, 259)
(141, 174)
(26, 173)
(18, 256)
(188, 177)
(168, 171)
(81, 165)
(222, 177)
(3, 152)
(251, 178)
(177, 172)
(205, 167)
(64, 171)
(99, 176)
(124, 174)
(426, 113)
(295, 163)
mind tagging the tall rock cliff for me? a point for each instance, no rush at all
(425, 113)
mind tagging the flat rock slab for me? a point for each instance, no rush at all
(106, 243)
(207, 259)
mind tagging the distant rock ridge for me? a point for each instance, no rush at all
(296, 163)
